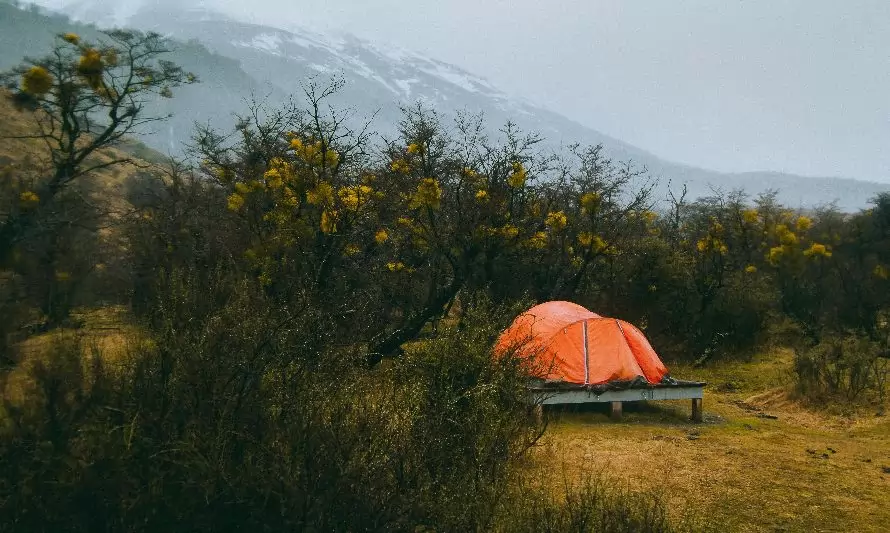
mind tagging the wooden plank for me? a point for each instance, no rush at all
(626, 395)
(696, 409)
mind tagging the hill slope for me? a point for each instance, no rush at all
(236, 60)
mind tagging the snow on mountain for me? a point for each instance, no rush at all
(275, 62)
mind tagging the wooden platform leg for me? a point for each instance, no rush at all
(616, 410)
(696, 410)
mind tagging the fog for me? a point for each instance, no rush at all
(796, 86)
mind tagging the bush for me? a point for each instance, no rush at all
(849, 366)
(249, 417)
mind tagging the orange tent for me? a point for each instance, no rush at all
(566, 342)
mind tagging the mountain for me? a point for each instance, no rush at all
(236, 60)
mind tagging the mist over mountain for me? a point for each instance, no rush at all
(238, 60)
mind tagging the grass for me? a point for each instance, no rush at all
(109, 330)
(760, 461)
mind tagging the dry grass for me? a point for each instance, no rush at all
(108, 331)
(742, 469)
(29, 158)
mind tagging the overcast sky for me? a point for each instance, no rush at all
(798, 86)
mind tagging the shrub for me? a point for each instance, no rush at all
(248, 416)
(848, 366)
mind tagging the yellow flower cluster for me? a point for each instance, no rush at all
(315, 153)
(589, 240)
(518, 176)
(650, 216)
(321, 194)
(803, 223)
(751, 269)
(509, 231)
(775, 255)
(428, 194)
(710, 243)
(750, 216)
(481, 196)
(817, 250)
(401, 166)
(785, 235)
(556, 220)
(538, 241)
(29, 199)
(355, 197)
(590, 201)
(37, 81)
(235, 202)
(351, 249)
(414, 148)
(397, 266)
(280, 172)
(381, 236)
(72, 38)
(90, 67)
(880, 271)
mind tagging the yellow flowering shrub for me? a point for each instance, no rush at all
(414, 148)
(29, 199)
(803, 223)
(395, 266)
(880, 271)
(37, 81)
(401, 166)
(775, 255)
(273, 178)
(381, 236)
(321, 194)
(817, 250)
(242, 188)
(509, 231)
(518, 176)
(786, 236)
(590, 201)
(538, 241)
(90, 67)
(351, 249)
(428, 194)
(751, 269)
(556, 220)
(750, 216)
(314, 153)
(710, 243)
(481, 196)
(355, 197)
(72, 38)
(235, 202)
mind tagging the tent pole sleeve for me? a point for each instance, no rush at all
(586, 357)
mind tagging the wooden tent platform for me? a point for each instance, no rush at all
(562, 393)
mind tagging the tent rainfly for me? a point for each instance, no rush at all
(579, 356)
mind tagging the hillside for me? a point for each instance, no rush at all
(237, 61)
